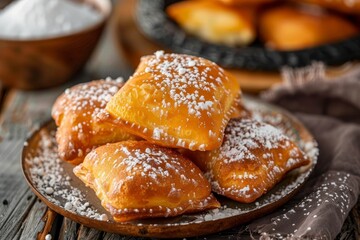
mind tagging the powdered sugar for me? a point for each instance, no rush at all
(29, 19)
(331, 189)
(151, 162)
(187, 80)
(53, 181)
(241, 137)
(157, 133)
(94, 95)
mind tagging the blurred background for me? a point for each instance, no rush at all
(258, 41)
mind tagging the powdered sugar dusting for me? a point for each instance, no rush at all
(187, 79)
(147, 172)
(87, 96)
(53, 181)
(152, 162)
(37, 19)
(331, 189)
(243, 136)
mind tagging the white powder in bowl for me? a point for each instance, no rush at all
(31, 19)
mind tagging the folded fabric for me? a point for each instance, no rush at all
(331, 111)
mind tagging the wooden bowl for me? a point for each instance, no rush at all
(47, 62)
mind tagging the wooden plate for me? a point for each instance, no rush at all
(53, 181)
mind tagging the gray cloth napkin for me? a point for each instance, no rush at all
(330, 109)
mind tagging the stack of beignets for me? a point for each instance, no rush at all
(172, 101)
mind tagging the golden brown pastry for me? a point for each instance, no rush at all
(289, 28)
(346, 6)
(76, 114)
(178, 101)
(137, 179)
(240, 110)
(252, 159)
(215, 22)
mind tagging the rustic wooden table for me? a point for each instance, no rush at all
(22, 215)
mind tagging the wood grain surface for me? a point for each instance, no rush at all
(22, 215)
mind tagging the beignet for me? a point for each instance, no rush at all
(215, 22)
(252, 159)
(76, 114)
(290, 28)
(178, 101)
(240, 110)
(137, 179)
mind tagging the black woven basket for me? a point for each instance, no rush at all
(155, 24)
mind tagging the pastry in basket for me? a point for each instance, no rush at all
(178, 101)
(215, 22)
(290, 28)
(252, 159)
(79, 129)
(137, 179)
(346, 6)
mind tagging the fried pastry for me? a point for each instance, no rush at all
(289, 28)
(215, 22)
(240, 110)
(137, 179)
(346, 6)
(178, 101)
(252, 159)
(76, 114)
